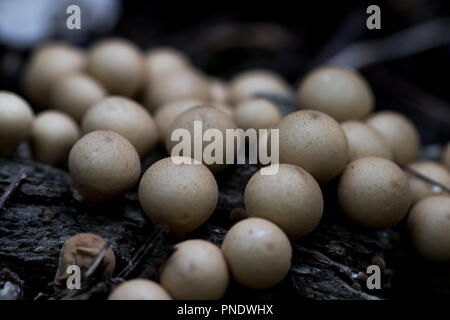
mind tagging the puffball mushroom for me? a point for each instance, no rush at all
(139, 289)
(256, 113)
(258, 253)
(46, 65)
(181, 196)
(446, 156)
(291, 199)
(16, 118)
(218, 91)
(249, 83)
(429, 228)
(399, 132)
(103, 165)
(435, 171)
(196, 270)
(374, 193)
(53, 134)
(81, 250)
(126, 117)
(342, 93)
(315, 142)
(75, 93)
(168, 112)
(364, 141)
(161, 61)
(175, 86)
(118, 65)
(210, 117)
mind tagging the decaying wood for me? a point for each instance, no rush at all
(42, 214)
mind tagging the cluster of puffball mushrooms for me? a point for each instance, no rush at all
(106, 109)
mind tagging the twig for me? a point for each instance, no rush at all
(425, 178)
(154, 240)
(97, 261)
(413, 96)
(415, 39)
(150, 270)
(12, 187)
(87, 281)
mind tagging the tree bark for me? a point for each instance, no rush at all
(41, 215)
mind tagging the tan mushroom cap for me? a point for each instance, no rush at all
(75, 93)
(433, 170)
(118, 65)
(81, 250)
(374, 193)
(291, 199)
(46, 65)
(16, 118)
(251, 82)
(429, 228)
(364, 141)
(126, 117)
(342, 93)
(181, 196)
(103, 165)
(162, 61)
(258, 253)
(196, 270)
(139, 289)
(168, 112)
(53, 134)
(188, 84)
(219, 91)
(210, 118)
(315, 142)
(256, 113)
(399, 132)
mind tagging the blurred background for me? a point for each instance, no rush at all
(407, 61)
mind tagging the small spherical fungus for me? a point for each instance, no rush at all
(139, 289)
(16, 119)
(81, 250)
(188, 84)
(210, 118)
(181, 196)
(162, 61)
(256, 114)
(429, 227)
(433, 170)
(258, 253)
(74, 93)
(374, 192)
(342, 93)
(196, 270)
(291, 199)
(399, 132)
(168, 112)
(126, 117)
(364, 141)
(53, 134)
(249, 83)
(315, 142)
(118, 65)
(103, 165)
(46, 65)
